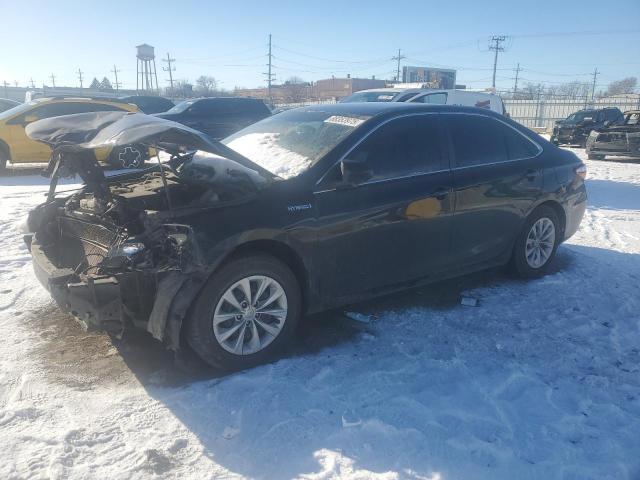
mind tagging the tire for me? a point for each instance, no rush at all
(593, 156)
(129, 156)
(526, 267)
(4, 158)
(204, 336)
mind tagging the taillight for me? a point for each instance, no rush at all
(581, 171)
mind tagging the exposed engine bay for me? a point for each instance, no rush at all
(116, 249)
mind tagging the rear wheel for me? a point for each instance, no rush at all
(537, 243)
(245, 313)
(130, 156)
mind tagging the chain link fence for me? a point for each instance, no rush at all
(541, 114)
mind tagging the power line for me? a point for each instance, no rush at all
(169, 69)
(593, 88)
(115, 71)
(269, 74)
(80, 72)
(496, 46)
(398, 58)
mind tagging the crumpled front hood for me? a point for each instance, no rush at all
(84, 132)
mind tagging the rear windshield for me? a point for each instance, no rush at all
(181, 107)
(289, 143)
(581, 116)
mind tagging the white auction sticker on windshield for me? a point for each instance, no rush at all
(342, 120)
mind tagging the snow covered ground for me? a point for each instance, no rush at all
(540, 380)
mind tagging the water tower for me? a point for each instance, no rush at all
(146, 68)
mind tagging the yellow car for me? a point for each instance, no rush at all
(16, 147)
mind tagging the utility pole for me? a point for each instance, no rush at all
(593, 87)
(15, 82)
(170, 70)
(496, 46)
(515, 86)
(80, 72)
(6, 84)
(269, 74)
(398, 58)
(115, 72)
(53, 80)
(33, 85)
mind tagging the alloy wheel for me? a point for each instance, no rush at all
(250, 315)
(540, 242)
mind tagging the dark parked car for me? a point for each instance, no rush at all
(616, 139)
(6, 104)
(228, 244)
(218, 117)
(575, 129)
(149, 104)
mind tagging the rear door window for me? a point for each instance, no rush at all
(69, 108)
(432, 98)
(480, 140)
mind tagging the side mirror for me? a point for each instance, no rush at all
(355, 170)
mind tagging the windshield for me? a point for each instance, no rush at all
(292, 141)
(379, 96)
(632, 119)
(181, 107)
(580, 116)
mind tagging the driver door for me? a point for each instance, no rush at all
(393, 227)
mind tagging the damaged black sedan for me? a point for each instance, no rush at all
(616, 140)
(225, 245)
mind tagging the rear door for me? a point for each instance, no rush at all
(496, 179)
(394, 227)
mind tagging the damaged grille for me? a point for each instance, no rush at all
(83, 243)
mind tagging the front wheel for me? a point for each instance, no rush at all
(537, 243)
(245, 313)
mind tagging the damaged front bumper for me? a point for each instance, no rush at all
(154, 301)
(95, 300)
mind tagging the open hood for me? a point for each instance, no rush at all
(83, 133)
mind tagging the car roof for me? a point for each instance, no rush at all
(242, 99)
(77, 99)
(380, 108)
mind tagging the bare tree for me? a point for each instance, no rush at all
(626, 85)
(297, 90)
(181, 89)
(206, 85)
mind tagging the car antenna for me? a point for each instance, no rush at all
(164, 182)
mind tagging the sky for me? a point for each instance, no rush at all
(554, 41)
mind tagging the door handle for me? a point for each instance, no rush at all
(441, 193)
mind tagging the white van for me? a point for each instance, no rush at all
(465, 98)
